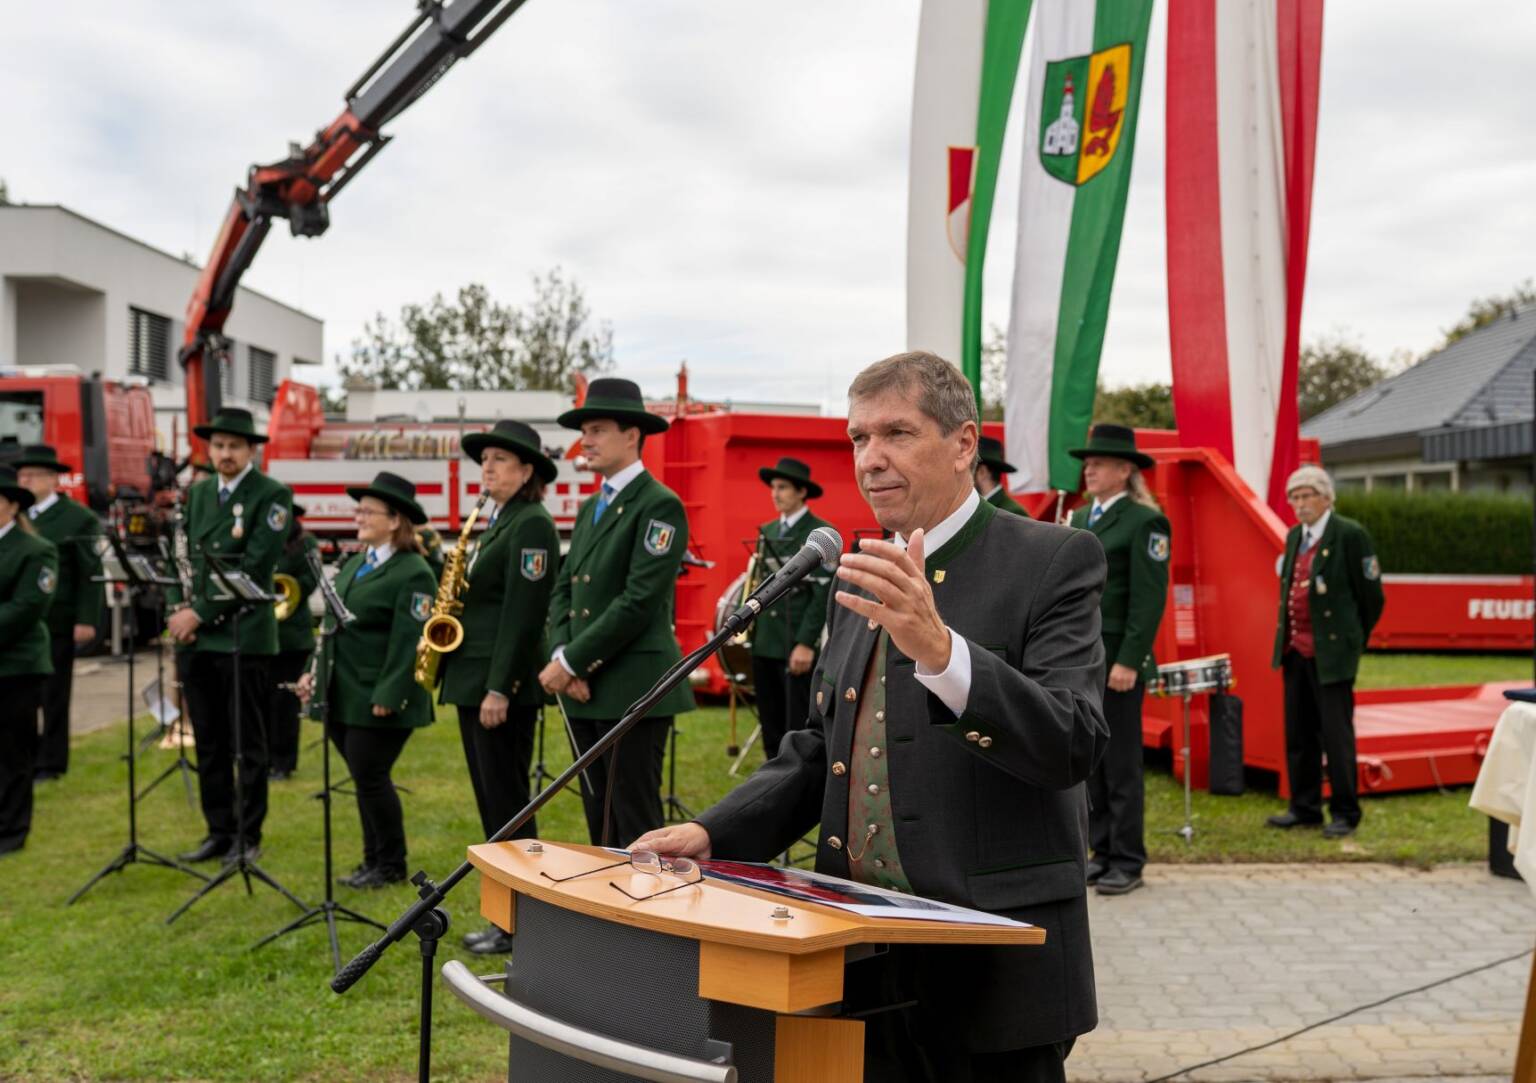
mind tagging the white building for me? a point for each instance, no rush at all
(77, 293)
(1061, 133)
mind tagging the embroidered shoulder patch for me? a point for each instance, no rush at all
(1372, 567)
(421, 605)
(658, 537)
(277, 517)
(535, 563)
(1157, 546)
(47, 579)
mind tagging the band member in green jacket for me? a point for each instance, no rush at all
(611, 615)
(991, 468)
(74, 530)
(29, 578)
(295, 643)
(1135, 535)
(368, 667)
(786, 638)
(236, 520)
(493, 678)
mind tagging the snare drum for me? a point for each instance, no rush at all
(1191, 676)
(736, 652)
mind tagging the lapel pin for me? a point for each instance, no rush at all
(938, 575)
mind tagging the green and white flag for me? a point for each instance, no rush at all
(1080, 127)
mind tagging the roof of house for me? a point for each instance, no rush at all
(1484, 378)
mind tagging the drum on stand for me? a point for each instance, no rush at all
(1186, 679)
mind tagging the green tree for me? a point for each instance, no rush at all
(1333, 368)
(477, 343)
(994, 374)
(1141, 406)
(5, 194)
(1484, 310)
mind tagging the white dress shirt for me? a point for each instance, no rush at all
(43, 505)
(787, 522)
(1311, 535)
(1107, 504)
(234, 483)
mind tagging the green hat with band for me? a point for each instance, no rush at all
(43, 456)
(395, 491)
(793, 471)
(614, 398)
(990, 453)
(233, 421)
(1114, 442)
(514, 436)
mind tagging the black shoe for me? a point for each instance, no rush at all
(498, 943)
(376, 877)
(1096, 870)
(470, 939)
(210, 848)
(1117, 882)
(45, 775)
(351, 878)
(251, 852)
(1338, 829)
(1289, 819)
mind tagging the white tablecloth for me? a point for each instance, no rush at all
(1506, 784)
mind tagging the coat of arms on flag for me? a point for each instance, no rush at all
(1083, 113)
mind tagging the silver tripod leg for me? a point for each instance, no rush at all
(570, 735)
(752, 737)
(1188, 830)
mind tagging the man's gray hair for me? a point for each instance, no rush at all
(941, 391)
(1310, 477)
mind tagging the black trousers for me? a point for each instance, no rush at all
(1319, 720)
(209, 691)
(20, 698)
(1116, 794)
(783, 700)
(370, 753)
(499, 760)
(53, 749)
(636, 779)
(283, 710)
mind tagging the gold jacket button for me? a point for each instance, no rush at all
(586, 578)
(1327, 612)
(882, 678)
(839, 768)
(1332, 636)
(819, 698)
(586, 612)
(850, 695)
(573, 612)
(879, 862)
(879, 716)
(874, 789)
(773, 612)
(834, 842)
(985, 742)
(873, 624)
(973, 736)
(874, 751)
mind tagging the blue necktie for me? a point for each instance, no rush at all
(1095, 514)
(783, 528)
(603, 499)
(369, 563)
(495, 511)
(223, 496)
(1306, 541)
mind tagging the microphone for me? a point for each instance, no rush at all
(822, 547)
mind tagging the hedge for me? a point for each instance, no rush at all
(1445, 532)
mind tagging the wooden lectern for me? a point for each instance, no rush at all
(711, 982)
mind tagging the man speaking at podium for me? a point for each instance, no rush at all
(955, 717)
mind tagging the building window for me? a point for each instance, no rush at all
(149, 344)
(262, 366)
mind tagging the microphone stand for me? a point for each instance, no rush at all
(429, 921)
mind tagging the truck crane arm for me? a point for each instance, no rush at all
(301, 186)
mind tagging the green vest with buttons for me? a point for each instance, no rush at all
(29, 580)
(372, 661)
(613, 603)
(798, 617)
(1137, 545)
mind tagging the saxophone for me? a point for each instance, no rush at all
(443, 632)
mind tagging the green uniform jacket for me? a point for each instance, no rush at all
(29, 579)
(432, 546)
(1137, 544)
(73, 530)
(372, 661)
(506, 610)
(297, 633)
(1346, 597)
(1003, 500)
(799, 616)
(614, 599)
(264, 506)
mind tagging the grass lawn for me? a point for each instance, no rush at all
(105, 990)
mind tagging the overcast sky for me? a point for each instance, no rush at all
(728, 180)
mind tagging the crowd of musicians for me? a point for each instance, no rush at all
(958, 705)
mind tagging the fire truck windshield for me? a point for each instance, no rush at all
(21, 417)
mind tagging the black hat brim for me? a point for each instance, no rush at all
(998, 466)
(404, 505)
(1146, 462)
(475, 443)
(768, 474)
(18, 495)
(45, 464)
(647, 422)
(206, 432)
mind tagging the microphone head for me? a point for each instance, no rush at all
(827, 542)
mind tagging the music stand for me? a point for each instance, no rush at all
(247, 594)
(133, 572)
(327, 910)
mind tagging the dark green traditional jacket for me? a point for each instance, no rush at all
(799, 616)
(432, 545)
(1137, 545)
(258, 512)
(297, 633)
(1003, 500)
(73, 530)
(614, 599)
(372, 661)
(512, 572)
(1346, 597)
(29, 580)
